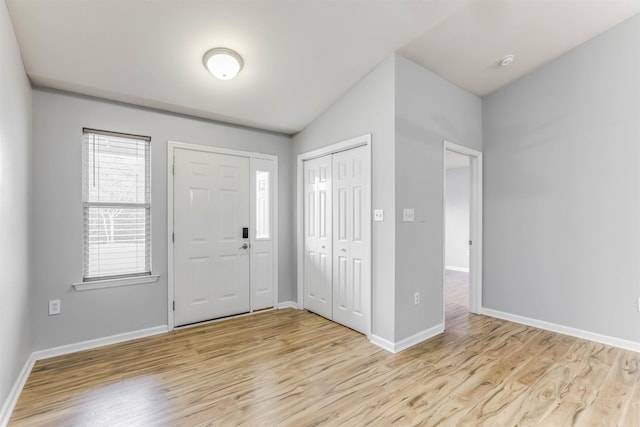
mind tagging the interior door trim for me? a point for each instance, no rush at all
(359, 141)
(171, 147)
(475, 224)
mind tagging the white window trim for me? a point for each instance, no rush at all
(114, 283)
(111, 282)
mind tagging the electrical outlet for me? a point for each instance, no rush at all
(408, 215)
(416, 298)
(54, 307)
(378, 215)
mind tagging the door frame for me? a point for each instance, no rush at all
(475, 224)
(359, 141)
(171, 147)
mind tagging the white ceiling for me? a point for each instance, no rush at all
(300, 55)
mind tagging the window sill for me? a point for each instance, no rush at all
(113, 283)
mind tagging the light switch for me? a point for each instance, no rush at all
(378, 215)
(408, 215)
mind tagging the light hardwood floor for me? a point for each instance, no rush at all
(293, 368)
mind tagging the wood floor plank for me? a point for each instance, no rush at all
(588, 365)
(614, 393)
(631, 415)
(294, 368)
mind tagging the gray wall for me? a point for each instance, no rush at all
(368, 108)
(457, 215)
(57, 220)
(409, 110)
(15, 171)
(562, 189)
(429, 110)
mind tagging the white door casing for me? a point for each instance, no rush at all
(351, 244)
(356, 315)
(318, 240)
(211, 256)
(475, 224)
(263, 273)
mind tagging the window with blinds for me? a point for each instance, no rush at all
(116, 204)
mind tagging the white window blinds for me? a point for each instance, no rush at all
(116, 203)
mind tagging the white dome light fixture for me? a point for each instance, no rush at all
(223, 63)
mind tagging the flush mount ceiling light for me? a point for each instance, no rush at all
(507, 60)
(223, 63)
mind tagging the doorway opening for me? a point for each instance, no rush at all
(456, 264)
(462, 287)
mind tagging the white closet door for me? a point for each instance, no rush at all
(211, 260)
(317, 238)
(351, 241)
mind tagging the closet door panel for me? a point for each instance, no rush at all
(318, 293)
(351, 245)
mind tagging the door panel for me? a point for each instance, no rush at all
(357, 286)
(351, 248)
(318, 239)
(262, 228)
(211, 206)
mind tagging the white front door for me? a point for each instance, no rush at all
(211, 257)
(318, 236)
(351, 245)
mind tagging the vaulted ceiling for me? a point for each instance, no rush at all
(299, 55)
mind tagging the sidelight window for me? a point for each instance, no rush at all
(263, 205)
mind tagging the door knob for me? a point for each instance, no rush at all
(244, 246)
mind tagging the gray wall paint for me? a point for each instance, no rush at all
(562, 189)
(57, 223)
(429, 110)
(15, 171)
(368, 107)
(410, 111)
(457, 218)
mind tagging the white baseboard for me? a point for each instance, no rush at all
(454, 268)
(407, 342)
(382, 343)
(565, 330)
(14, 393)
(419, 337)
(287, 304)
(99, 342)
